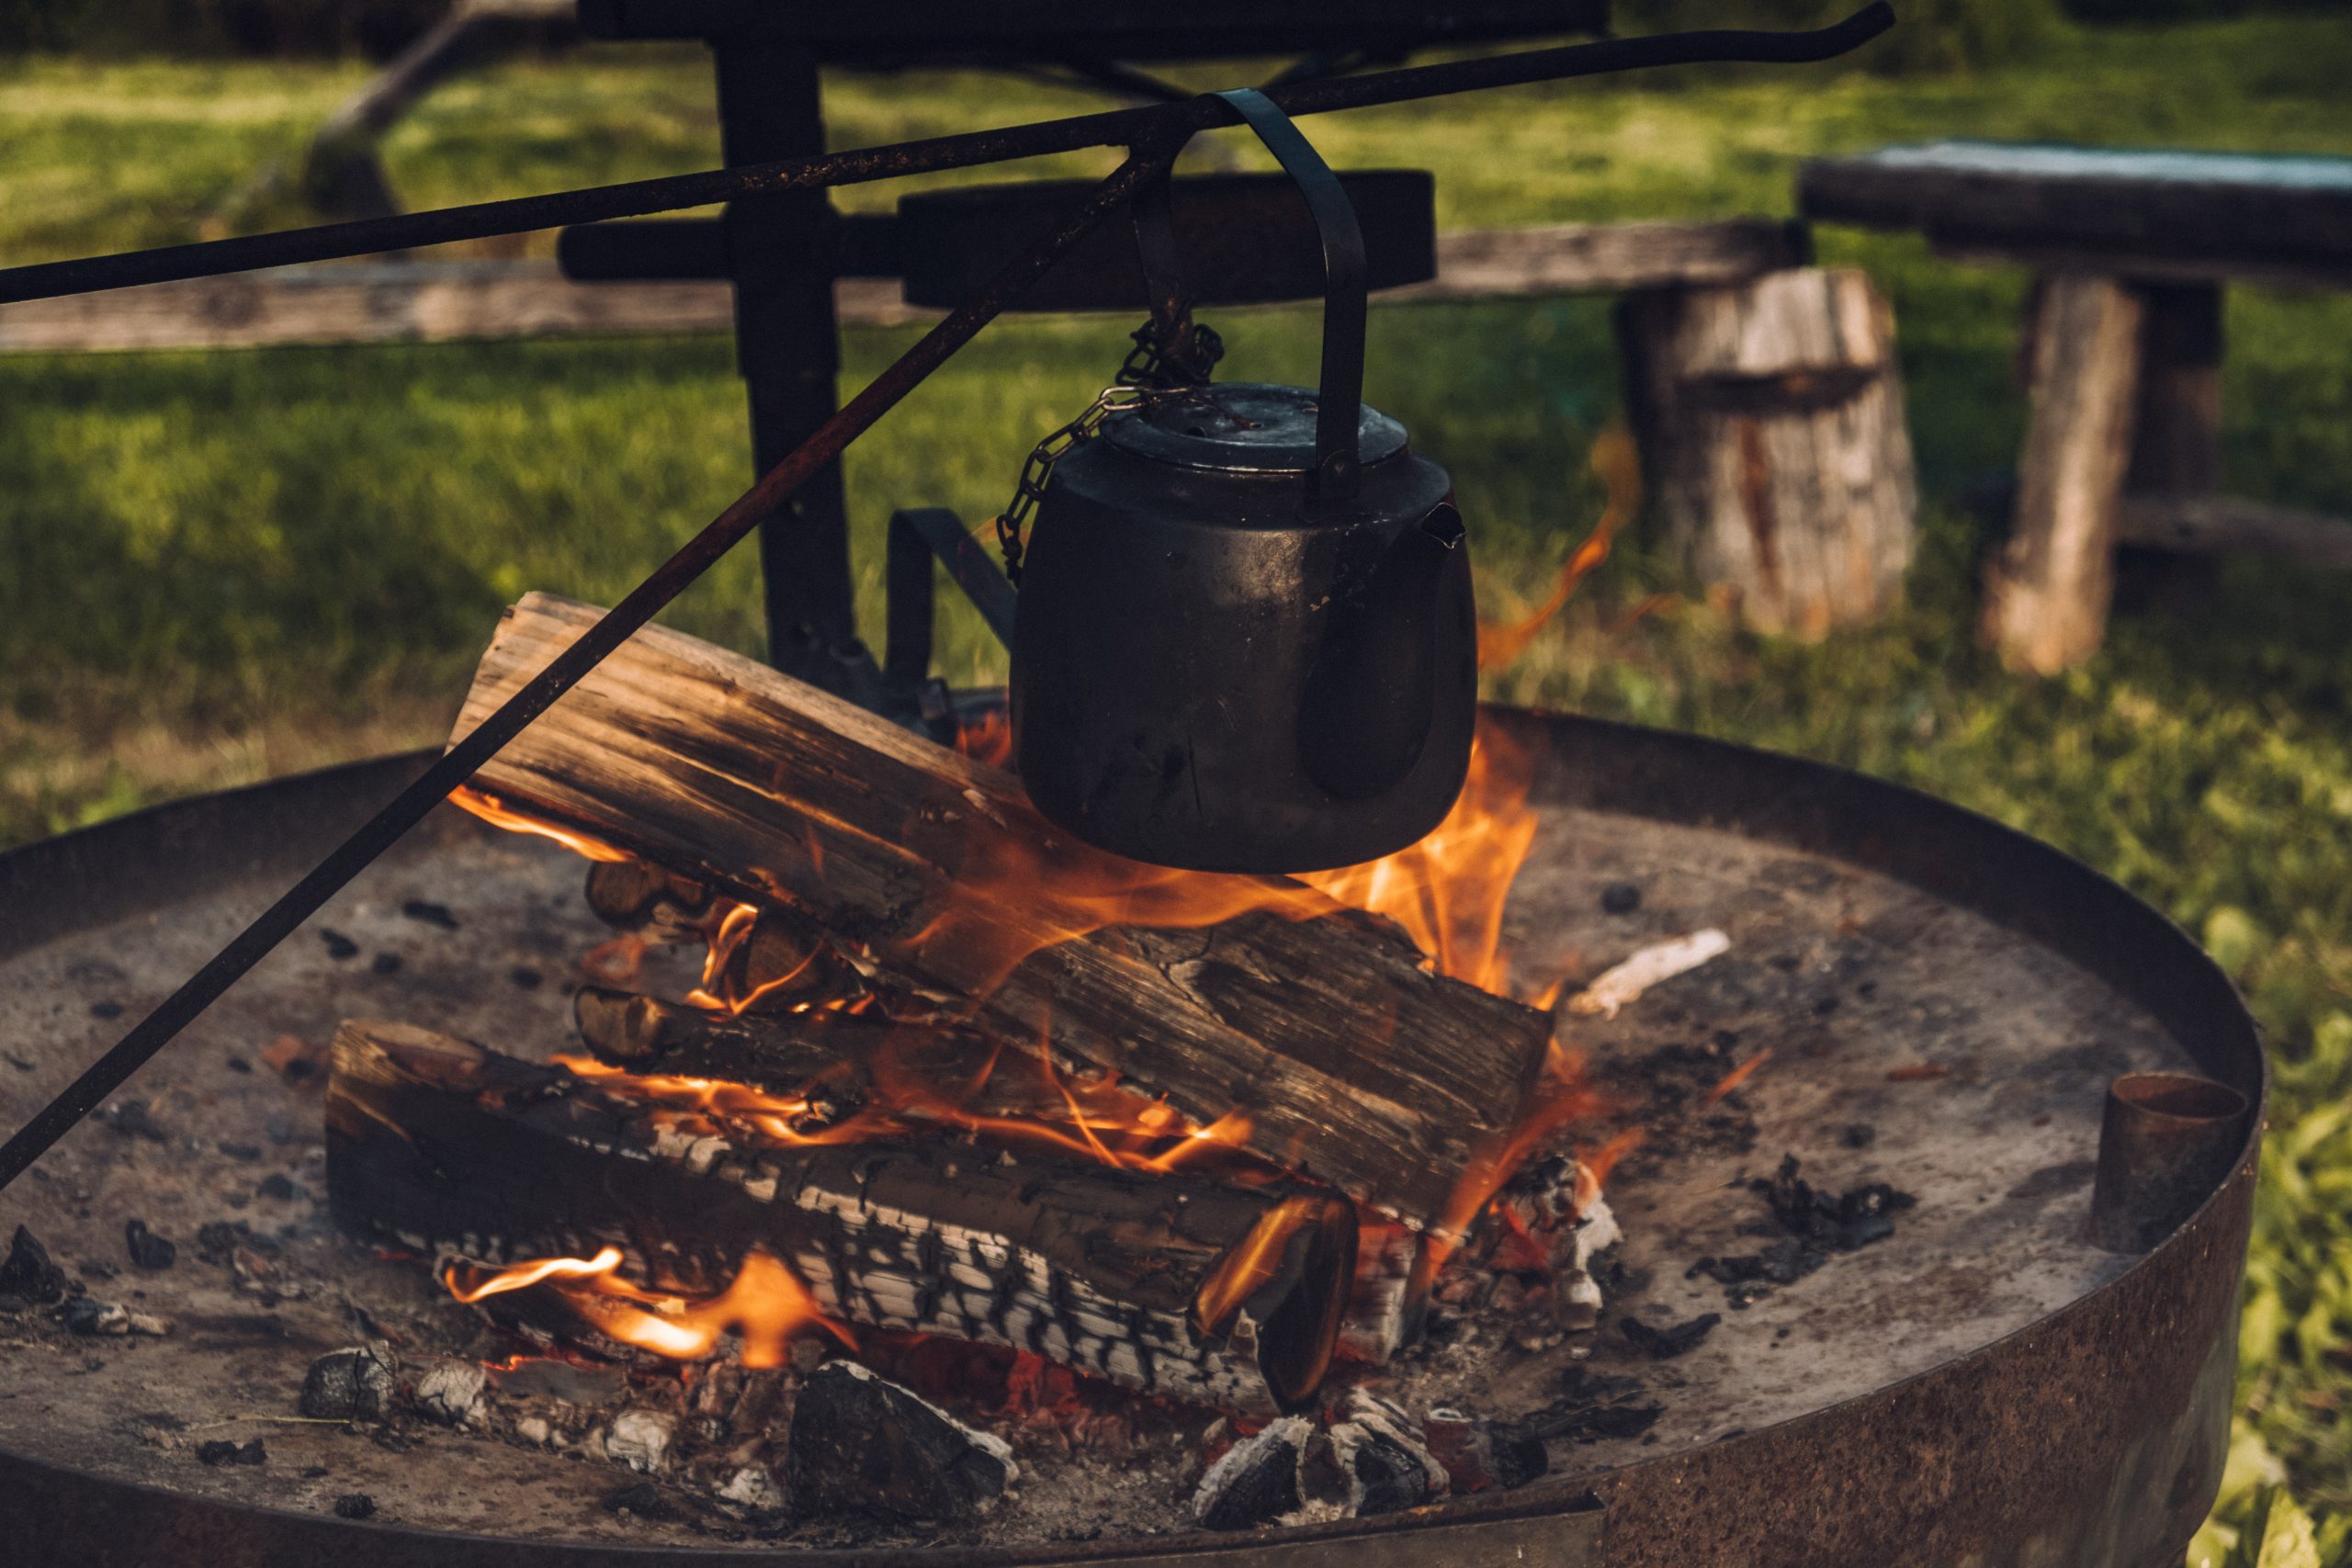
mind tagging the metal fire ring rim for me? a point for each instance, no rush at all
(189, 1521)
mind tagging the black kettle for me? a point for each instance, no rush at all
(1245, 638)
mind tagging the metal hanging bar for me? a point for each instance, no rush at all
(1116, 128)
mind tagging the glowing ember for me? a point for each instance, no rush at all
(765, 1305)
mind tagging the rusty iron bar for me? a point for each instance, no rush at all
(1116, 128)
(457, 764)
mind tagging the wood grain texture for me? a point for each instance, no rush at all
(2046, 594)
(2119, 211)
(1358, 1068)
(1770, 416)
(444, 1146)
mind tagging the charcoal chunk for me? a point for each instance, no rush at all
(1674, 1339)
(1384, 1460)
(863, 1445)
(355, 1385)
(355, 1506)
(1621, 898)
(224, 1450)
(1258, 1479)
(644, 1501)
(133, 1119)
(339, 946)
(28, 1273)
(148, 1250)
(428, 913)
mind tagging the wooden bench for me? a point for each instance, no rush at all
(2122, 346)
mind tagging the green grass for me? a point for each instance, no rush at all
(221, 566)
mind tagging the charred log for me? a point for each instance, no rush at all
(843, 1063)
(1358, 1067)
(1202, 1290)
(631, 895)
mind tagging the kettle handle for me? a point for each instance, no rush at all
(1339, 402)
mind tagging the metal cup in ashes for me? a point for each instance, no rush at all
(2166, 1142)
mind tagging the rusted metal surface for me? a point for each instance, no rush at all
(2165, 1141)
(1985, 1389)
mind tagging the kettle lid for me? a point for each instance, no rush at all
(1242, 427)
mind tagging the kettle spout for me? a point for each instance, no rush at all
(1372, 700)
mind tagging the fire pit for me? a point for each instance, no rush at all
(1945, 1005)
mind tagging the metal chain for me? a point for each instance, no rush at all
(1031, 486)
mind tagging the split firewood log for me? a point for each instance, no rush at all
(1356, 1065)
(1199, 1290)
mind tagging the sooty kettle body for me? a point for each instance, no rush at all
(1212, 669)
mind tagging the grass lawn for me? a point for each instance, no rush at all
(222, 566)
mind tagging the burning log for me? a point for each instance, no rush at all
(1219, 1293)
(634, 896)
(1358, 1067)
(898, 1074)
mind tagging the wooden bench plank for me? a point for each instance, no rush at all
(2214, 523)
(2274, 216)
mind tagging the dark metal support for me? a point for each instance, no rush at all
(780, 255)
(465, 756)
(919, 536)
(1117, 128)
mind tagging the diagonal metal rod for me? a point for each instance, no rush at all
(458, 763)
(1117, 128)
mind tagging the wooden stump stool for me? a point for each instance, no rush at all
(1769, 416)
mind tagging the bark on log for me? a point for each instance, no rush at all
(1356, 1067)
(2046, 595)
(442, 1146)
(1770, 416)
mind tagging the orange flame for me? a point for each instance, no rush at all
(1448, 891)
(1617, 463)
(496, 812)
(1243, 1271)
(765, 1305)
(987, 739)
(1101, 1120)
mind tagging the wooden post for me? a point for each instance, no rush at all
(1769, 416)
(2046, 595)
